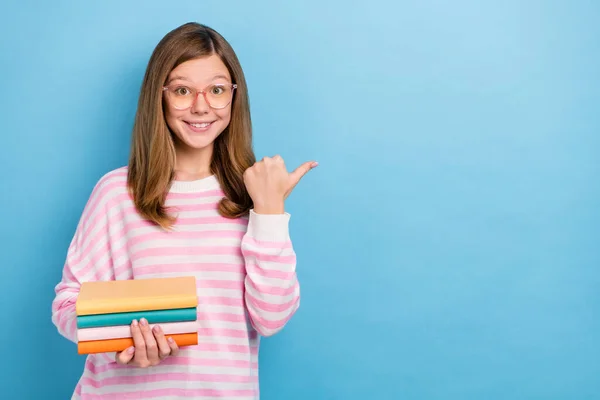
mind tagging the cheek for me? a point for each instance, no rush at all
(224, 115)
(171, 118)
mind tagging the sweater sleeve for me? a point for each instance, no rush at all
(88, 259)
(272, 292)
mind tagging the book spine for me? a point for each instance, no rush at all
(141, 304)
(124, 331)
(125, 318)
(105, 346)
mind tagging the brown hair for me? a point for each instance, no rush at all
(152, 158)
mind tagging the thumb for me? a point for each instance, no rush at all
(125, 356)
(299, 172)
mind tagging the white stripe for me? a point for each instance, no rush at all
(223, 340)
(271, 298)
(226, 276)
(272, 265)
(166, 384)
(186, 214)
(182, 243)
(272, 316)
(200, 199)
(272, 282)
(225, 226)
(268, 250)
(216, 324)
(195, 353)
(191, 259)
(163, 369)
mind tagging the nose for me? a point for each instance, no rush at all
(200, 106)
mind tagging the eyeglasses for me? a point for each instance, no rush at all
(216, 95)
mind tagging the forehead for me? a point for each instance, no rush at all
(201, 70)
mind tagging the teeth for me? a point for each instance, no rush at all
(203, 125)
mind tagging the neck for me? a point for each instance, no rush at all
(192, 164)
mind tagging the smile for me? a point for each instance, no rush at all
(199, 126)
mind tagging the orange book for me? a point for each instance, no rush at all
(105, 346)
(105, 297)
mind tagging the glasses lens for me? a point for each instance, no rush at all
(219, 95)
(180, 96)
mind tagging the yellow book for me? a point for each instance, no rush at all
(105, 297)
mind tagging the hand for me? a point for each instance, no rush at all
(150, 346)
(269, 183)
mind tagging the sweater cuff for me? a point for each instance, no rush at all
(269, 227)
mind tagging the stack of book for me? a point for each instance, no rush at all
(106, 309)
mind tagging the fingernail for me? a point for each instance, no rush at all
(156, 328)
(170, 339)
(143, 322)
(131, 350)
(134, 323)
(314, 164)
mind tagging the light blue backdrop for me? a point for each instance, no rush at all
(449, 243)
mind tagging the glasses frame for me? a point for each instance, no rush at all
(233, 86)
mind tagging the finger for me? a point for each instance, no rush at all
(173, 345)
(151, 346)
(140, 356)
(163, 347)
(299, 172)
(125, 356)
(278, 158)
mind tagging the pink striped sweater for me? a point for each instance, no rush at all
(246, 285)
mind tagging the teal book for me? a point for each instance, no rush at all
(125, 318)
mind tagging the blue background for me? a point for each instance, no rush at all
(449, 242)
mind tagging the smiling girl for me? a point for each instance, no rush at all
(191, 201)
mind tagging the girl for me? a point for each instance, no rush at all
(191, 201)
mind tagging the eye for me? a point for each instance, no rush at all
(217, 90)
(182, 91)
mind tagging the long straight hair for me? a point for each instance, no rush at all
(152, 158)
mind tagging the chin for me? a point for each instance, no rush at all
(198, 144)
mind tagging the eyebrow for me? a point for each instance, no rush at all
(178, 77)
(183, 78)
